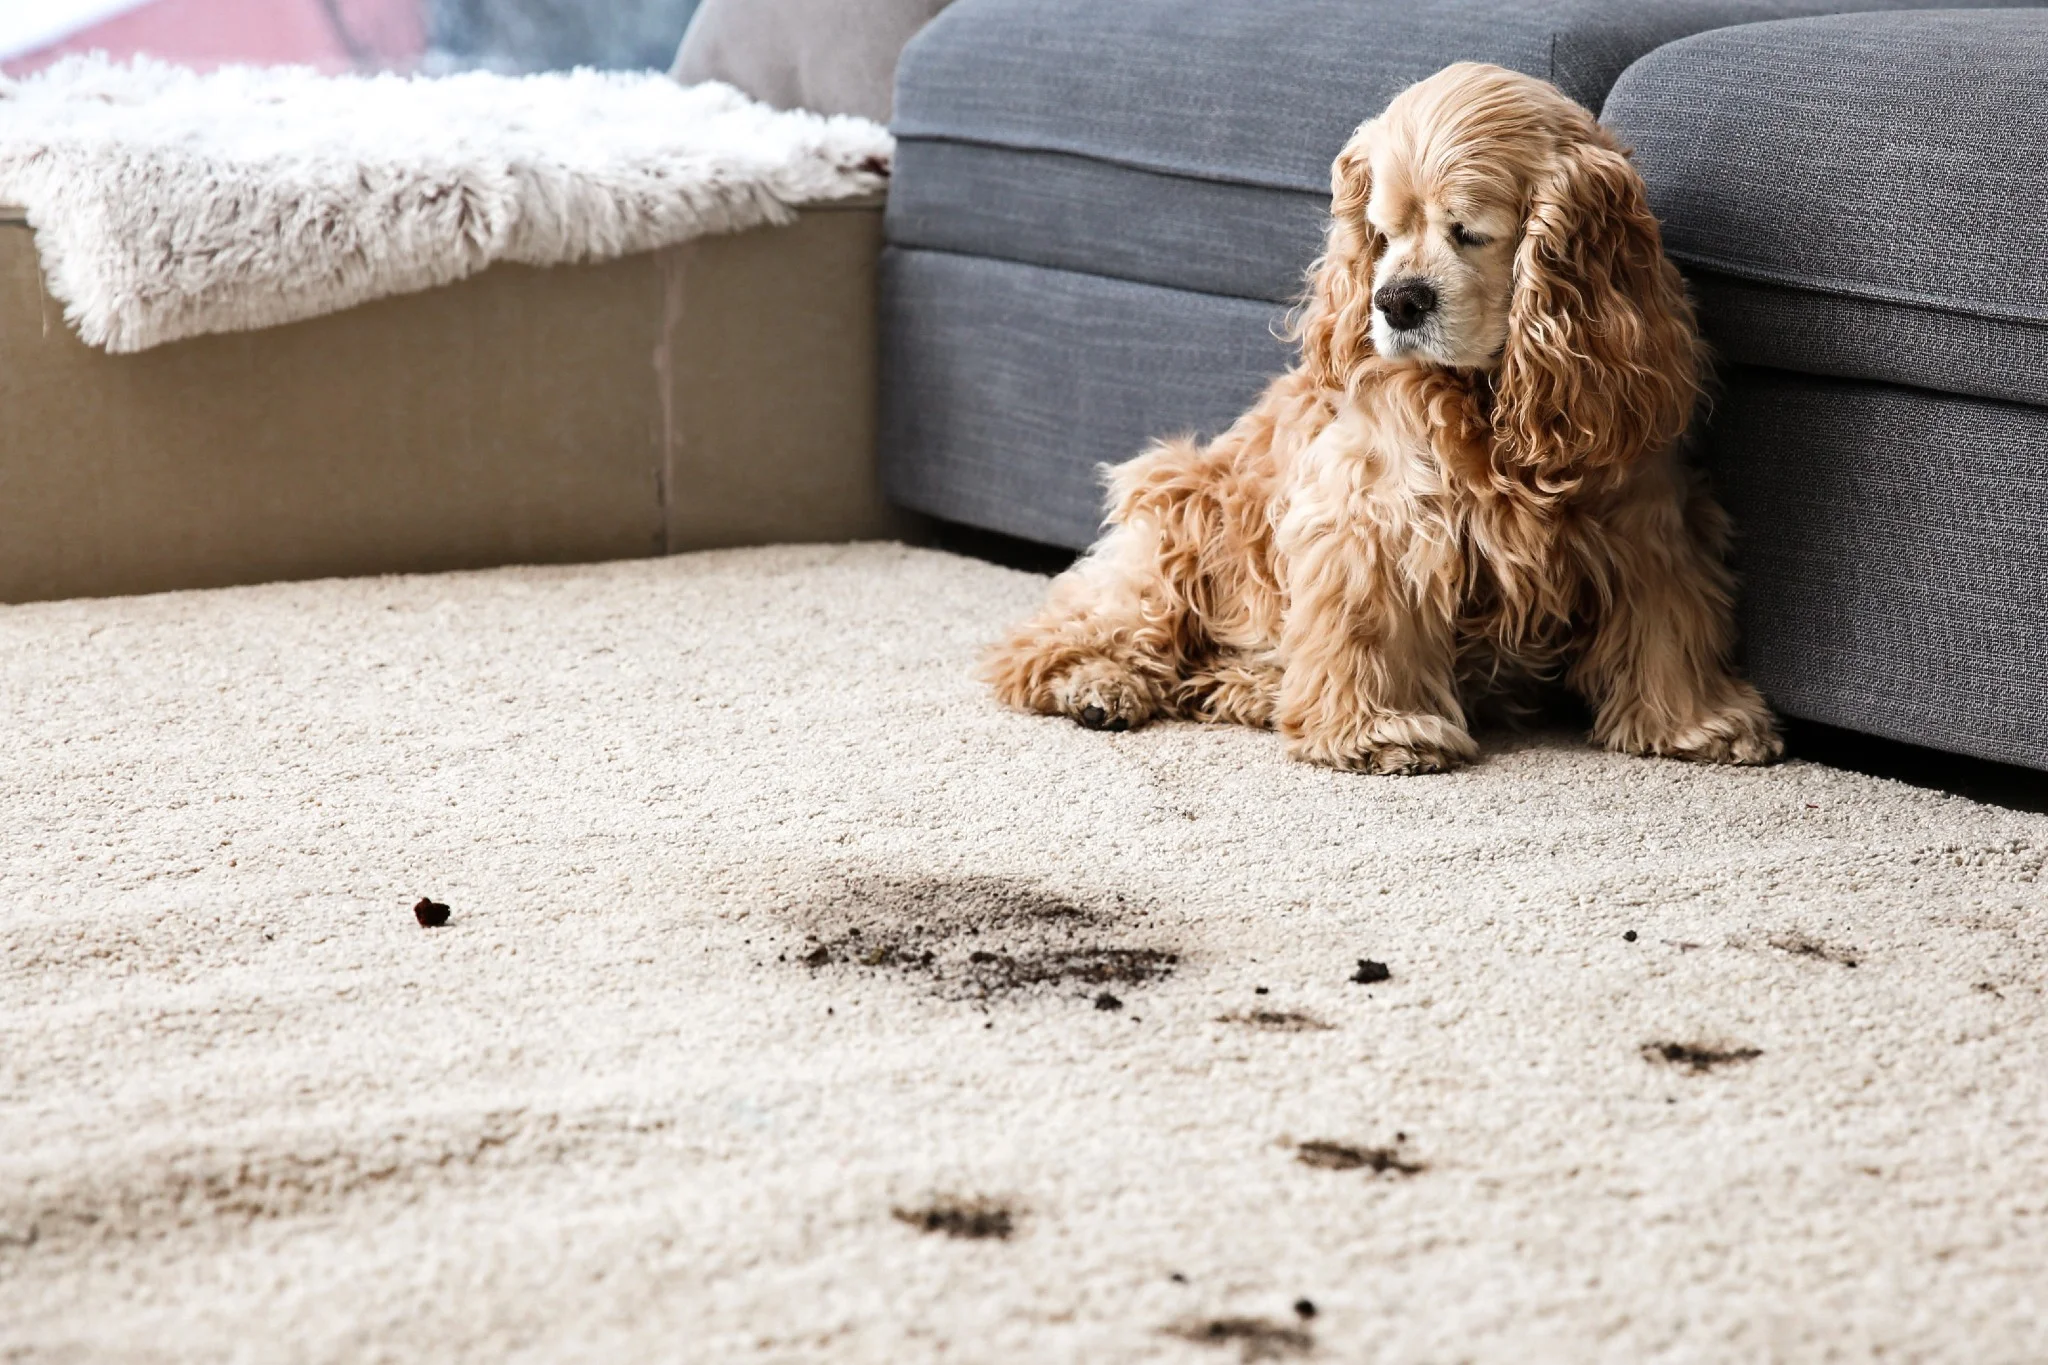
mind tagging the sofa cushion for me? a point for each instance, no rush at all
(832, 56)
(1007, 387)
(1188, 142)
(1892, 560)
(1859, 196)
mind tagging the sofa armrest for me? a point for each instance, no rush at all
(832, 56)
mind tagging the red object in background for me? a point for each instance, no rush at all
(333, 35)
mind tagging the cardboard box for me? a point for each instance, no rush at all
(721, 392)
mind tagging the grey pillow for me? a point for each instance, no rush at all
(834, 56)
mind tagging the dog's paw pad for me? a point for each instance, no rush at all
(1743, 736)
(1391, 746)
(1746, 747)
(1093, 717)
(1101, 696)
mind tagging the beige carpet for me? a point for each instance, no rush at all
(778, 987)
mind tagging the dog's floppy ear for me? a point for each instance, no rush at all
(1602, 361)
(1334, 327)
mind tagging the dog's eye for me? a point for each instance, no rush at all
(1464, 236)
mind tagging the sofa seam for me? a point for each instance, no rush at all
(1861, 381)
(1320, 192)
(1093, 275)
(1859, 293)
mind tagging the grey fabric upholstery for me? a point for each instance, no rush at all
(834, 56)
(1257, 93)
(1833, 334)
(1904, 232)
(1077, 213)
(1165, 135)
(1014, 384)
(1893, 559)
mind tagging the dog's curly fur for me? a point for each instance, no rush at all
(1410, 522)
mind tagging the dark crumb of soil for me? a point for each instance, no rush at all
(973, 1219)
(1805, 945)
(1629, 937)
(1178, 1278)
(430, 913)
(1256, 1338)
(1339, 1156)
(1370, 972)
(1277, 1021)
(1106, 1001)
(1259, 990)
(1304, 1308)
(1697, 1057)
(820, 956)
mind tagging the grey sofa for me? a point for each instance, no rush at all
(1861, 205)
(1101, 214)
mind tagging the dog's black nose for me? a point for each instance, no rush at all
(1405, 303)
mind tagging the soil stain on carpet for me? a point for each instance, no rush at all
(1342, 1156)
(978, 938)
(1699, 1058)
(1276, 1021)
(977, 1220)
(1255, 1338)
(1805, 945)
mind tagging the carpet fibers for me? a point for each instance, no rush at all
(796, 1003)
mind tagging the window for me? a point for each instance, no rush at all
(350, 35)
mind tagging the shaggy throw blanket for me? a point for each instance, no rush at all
(168, 204)
(798, 1003)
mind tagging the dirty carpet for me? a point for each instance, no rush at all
(794, 1002)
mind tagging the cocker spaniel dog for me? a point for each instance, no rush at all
(1469, 481)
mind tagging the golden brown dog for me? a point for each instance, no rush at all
(1469, 481)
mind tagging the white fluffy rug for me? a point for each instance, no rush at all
(168, 204)
(778, 956)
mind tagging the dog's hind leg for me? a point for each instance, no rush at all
(1123, 628)
(1106, 647)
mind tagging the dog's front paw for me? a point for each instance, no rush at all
(1740, 730)
(1103, 695)
(1039, 671)
(1395, 744)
